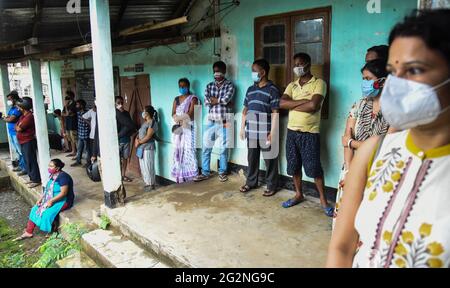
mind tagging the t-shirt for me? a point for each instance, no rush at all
(150, 145)
(14, 111)
(64, 179)
(260, 102)
(91, 115)
(28, 132)
(71, 121)
(304, 121)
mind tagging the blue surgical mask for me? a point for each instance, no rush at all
(255, 77)
(368, 89)
(184, 90)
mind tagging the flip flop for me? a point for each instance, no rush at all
(329, 211)
(268, 193)
(245, 189)
(21, 237)
(32, 185)
(292, 202)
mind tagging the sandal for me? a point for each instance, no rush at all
(22, 237)
(223, 177)
(329, 211)
(292, 202)
(245, 188)
(201, 177)
(33, 184)
(126, 179)
(268, 193)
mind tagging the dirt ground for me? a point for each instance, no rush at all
(15, 212)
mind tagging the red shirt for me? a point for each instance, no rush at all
(28, 133)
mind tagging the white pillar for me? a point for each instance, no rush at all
(4, 81)
(104, 91)
(40, 118)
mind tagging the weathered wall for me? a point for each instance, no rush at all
(353, 30)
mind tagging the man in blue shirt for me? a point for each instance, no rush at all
(13, 116)
(260, 127)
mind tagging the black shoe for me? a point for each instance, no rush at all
(76, 164)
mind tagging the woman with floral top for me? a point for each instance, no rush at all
(394, 212)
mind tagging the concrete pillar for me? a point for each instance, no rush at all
(4, 82)
(104, 91)
(40, 118)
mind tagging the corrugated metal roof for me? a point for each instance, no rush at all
(17, 18)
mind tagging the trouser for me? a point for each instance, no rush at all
(253, 155)
(147, 164)
(18, 149)
(31, 225)
(29, 150)
(214, 131)
(81, 145)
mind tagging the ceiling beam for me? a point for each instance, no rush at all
(122, 9)
(18, 45)
(38, 4)
(182, 8)
(153, 26)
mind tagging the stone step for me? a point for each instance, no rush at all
(77, 260)
(4, 180)
(111, 250)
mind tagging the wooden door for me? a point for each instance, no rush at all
(136, 93)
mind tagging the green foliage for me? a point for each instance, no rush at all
(12, 255)
(104, 222)
(57, 247)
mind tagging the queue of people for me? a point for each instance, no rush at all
(391, 206)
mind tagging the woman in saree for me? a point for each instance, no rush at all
(58, 196)
(185, 166)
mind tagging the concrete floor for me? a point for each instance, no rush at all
(212, 224)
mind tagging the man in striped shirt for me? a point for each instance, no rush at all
(260, 127)
(218, 96)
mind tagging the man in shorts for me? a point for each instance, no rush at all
(125, 128)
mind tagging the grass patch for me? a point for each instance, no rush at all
(23, 255)
(13, 254)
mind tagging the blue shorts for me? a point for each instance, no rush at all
(303, 149)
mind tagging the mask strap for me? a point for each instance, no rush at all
(441, 84)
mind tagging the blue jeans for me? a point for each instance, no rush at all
(214, 131)
(81, 145)
(18, 148)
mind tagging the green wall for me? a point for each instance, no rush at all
(353, 30)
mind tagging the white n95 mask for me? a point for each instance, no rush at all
(407, 104)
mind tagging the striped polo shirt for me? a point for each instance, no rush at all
(260, 103)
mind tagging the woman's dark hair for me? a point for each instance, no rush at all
(57, 112)
(118, 98)
(377, 67)
(381, 50)
(221, 65)
(58, 163)
(429, 25)
(263, 64)
(25, 103)
(153, 113)
(185, 81)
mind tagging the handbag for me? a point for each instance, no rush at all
(140, 152)
(93, 172)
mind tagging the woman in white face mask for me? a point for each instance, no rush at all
(365, 119)
(395, 209)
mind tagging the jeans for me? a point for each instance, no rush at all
(29, 150)
(18, 148)
(214, 131)
(81, 145)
